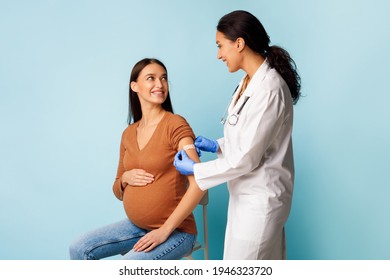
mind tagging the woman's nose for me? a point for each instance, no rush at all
(159, 83)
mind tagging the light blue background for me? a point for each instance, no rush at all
(64, 70)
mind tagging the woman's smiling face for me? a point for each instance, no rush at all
(151, 84)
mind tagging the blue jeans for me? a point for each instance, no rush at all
(120, 237)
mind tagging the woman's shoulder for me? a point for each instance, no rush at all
(177, 128)
(176, 119)
(129, 128)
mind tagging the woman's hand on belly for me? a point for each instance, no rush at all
(151, 240)
(136, 177)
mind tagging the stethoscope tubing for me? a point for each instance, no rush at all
(233, 118)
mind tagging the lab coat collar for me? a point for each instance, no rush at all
(257, 78)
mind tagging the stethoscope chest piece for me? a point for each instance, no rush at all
(233, 118)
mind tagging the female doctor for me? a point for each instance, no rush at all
(255, 156)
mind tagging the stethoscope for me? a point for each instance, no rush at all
(233, 118)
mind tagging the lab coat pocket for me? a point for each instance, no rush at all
(250, 216)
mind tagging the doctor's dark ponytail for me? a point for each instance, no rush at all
(242, 24)
(281, 61)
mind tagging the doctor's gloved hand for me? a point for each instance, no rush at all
(183, 163)
(205, 144)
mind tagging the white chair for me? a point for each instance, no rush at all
(198, 246)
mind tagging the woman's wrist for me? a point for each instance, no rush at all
(167, 229)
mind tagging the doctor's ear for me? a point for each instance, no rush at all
(240, 43)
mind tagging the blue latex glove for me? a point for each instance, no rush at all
(198, 151)
(205, 144)
(183, 163)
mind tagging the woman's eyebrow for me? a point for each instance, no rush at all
(154, 74)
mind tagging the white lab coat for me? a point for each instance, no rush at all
(257, 162)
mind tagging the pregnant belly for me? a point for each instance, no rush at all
(148, 207)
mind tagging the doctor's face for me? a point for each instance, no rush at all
(228, 52)
(151, 84)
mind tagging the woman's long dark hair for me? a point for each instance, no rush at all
(135, 111)
(242, 24)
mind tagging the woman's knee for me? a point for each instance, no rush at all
(74, 250)
(77, 249)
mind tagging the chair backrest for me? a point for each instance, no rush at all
(198, 246)
(204, 201)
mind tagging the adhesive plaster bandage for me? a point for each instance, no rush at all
(189, 147)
